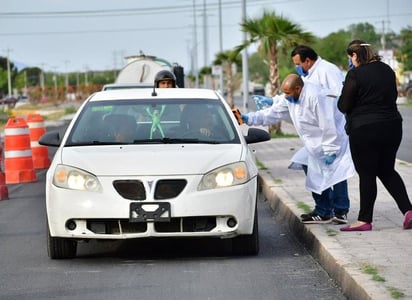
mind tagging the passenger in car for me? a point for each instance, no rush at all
(122, 127)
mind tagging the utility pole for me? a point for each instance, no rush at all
(195, 63)
(66, 76)
(383, 37)
(206, 80)
(220, 45)
(42, 79)
(66, 81)
(77, 85)
(205, 41)
(383, 41)
(86, 69)
(25, 81)
(114, 64)
(8, 71)
(245, 65)
(55, 84)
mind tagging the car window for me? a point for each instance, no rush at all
(153, 121)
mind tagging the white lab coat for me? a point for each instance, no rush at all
(329, 76)
(326, 74)
(320, 126)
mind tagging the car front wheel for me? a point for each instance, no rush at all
(247, 244)
(60, 248)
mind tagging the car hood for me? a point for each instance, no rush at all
(147, 160)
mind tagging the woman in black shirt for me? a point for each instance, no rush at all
(374, 126)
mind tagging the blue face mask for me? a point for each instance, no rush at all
(300, 71)
(351, 66)
(291, 99)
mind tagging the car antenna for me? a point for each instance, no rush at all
(154, 91)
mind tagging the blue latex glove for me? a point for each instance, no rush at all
(245, 118)
(262, 102)
(329, 159)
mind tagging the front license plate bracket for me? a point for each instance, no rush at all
(149, 212)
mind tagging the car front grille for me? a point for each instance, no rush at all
(169, 188)
(187, 224)
(135, 190)
(130, 189)
(110, 226)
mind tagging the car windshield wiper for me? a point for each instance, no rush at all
(175, 141)
(96, 143)
(146, 141)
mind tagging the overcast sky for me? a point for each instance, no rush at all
(74, 35)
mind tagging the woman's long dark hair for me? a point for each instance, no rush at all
(364, 52)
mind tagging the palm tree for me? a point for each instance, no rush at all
(205, 74)
(226, 59)
(273, 33)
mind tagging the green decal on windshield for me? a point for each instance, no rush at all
(156, 116)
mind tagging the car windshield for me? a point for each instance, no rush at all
(153, 121)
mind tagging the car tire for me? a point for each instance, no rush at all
(60, 248)
(247, 244)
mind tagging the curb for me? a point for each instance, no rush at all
(347, 276)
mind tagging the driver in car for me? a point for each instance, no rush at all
(197, 120)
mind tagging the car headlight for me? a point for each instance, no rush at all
(229, 175)
(75, 179)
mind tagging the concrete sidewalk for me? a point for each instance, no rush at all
(344, 255)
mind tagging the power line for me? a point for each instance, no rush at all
(357, 17)
(92, 31)
(128, 11)
(168, 28)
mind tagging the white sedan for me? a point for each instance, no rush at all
(138, 163)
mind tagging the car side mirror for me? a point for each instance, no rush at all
(256, 135)
(51, 139)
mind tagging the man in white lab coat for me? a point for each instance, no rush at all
(320, 125)
(311, 67)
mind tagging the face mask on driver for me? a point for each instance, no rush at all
(300, 71)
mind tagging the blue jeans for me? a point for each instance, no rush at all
(341, 198)
(332, 201)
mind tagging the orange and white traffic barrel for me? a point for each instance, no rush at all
(4, 190)
(40, 153)
(18, 161)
